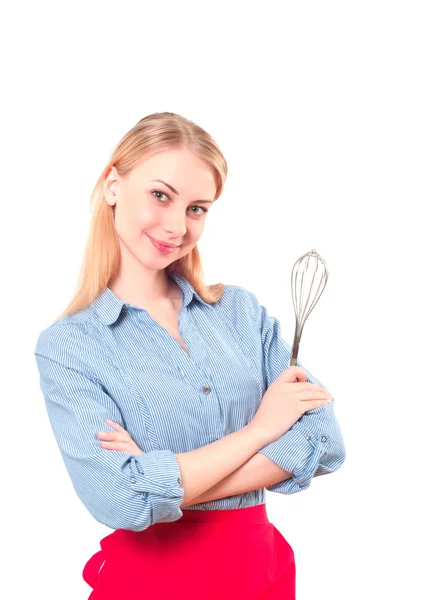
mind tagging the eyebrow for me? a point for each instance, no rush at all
(175, 191)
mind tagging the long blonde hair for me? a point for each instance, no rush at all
(101, 259)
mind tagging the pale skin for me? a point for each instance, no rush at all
(143, 208)
(258, 472)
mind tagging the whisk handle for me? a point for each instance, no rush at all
(294, 351)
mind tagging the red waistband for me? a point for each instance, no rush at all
(249, 515)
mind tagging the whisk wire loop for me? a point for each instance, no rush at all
(308, 264)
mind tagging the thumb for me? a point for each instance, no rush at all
(293, 374)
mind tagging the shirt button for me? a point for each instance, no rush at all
(308, 437)
(133, 479)
(206, 389)
(324, 438)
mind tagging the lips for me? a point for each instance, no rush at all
(163, 243)
(161, 248)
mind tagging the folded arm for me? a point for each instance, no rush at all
(314, 445)
(119, 490)
(305, 455)
(258, 472)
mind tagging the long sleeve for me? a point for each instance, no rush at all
(314, 445)
(119, 490)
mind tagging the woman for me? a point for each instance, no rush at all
(171, 401)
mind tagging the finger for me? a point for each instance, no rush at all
(308, 395)
(120, 431)
(114, 425)
(306, 386)
(121, 446)
(294, 374)
(300, 375)
(111, 436)
(316, 404)
(104, 435)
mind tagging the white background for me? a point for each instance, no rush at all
(316, 107)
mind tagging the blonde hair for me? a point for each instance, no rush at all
(101, 259)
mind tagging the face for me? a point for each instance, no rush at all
(146, 208)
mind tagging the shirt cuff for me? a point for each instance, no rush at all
(157, 474)
(298, 452)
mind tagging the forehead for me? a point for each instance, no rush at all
(182, 169)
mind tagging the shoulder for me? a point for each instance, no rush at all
(61, 332)
(239, 300)
(68, 342)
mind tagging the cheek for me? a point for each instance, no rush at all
(136, 222)
(148, 216)
(198, 229)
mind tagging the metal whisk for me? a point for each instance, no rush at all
(307, 265)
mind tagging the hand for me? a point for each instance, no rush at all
(121, 440)
(285, 401)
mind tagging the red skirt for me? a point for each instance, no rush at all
(206, 554)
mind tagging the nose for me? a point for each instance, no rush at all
(174, 223)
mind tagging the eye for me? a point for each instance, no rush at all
(158, 192)
(205, 210)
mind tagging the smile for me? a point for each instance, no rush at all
(160, 247)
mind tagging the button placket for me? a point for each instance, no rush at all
(193, 341)
(214, 405)
(194, 368)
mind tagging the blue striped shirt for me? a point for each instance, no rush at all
(112, 360)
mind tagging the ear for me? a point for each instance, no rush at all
(110, 185)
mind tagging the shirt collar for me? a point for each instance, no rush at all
(108, 306)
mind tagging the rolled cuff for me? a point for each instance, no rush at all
(157, 474)
(299, 452)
